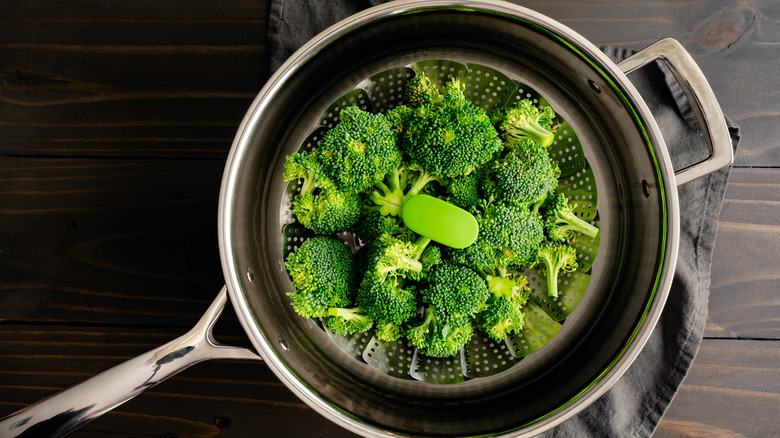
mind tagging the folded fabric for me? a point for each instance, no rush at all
(635, 404)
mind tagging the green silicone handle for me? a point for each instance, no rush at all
(440, 221)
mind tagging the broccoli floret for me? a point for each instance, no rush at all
(373, 224)
(452, 137)
(405, 181)
(319, 205)
(359, 150)
(322, 271)
(504, 314)
(509, 236)
(524, 175)
(347, 320)
(464, 191)
(331, 211)
(524, 120)
(456, 291)
(306, 168)
(398, 116)
(386, 302)
(554, 258)
(420, 91)
(394, 256)
(437, 337)
(501, 318)
(560, 221)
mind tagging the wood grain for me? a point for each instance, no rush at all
(116, 118)
(744, 299)
(133, 79)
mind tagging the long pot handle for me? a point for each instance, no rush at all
(703, 102)
(82, 403)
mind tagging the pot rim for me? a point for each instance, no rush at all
(234, 278)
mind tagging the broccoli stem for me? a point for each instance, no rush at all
(552, 277)
(391, 199)
(421, 243)
(422, 180)
(533, 130)
(572, 222)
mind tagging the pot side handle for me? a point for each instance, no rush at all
(703, 102)
(82, 403)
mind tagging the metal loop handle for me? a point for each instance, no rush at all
(82, 403)
(703, 102)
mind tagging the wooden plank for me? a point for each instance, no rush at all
(225, 398)
(726, 373)
(104, 241)
(729, 40)
(732, 390)
(137, 79)
(744, 302)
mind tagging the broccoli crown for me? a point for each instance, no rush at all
(306, 168)
(420, 91)
(347, 320)
(554, 258)
(394, 256)
(322, 271)
(433, 336)
(524, 175)
(456, 291)
(450, 138)
(464, 191)
(524, 120)
(509, 236)
(359, 150)
(560, 221)
(386, 301)
(403, 182)
(373, 224)
(397, 117)
(500, 318)
(331, 211)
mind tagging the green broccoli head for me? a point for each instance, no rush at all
(501, 318)
(389, 195)
(420, 91)
(554, 258)
(359, 150)
(434, 336)
(373, 224)
(504, 314)
(524, 120)
(456, 291)
(330, 211)
(450, 138)
(509, 236)
(524, 175)
(347, 321)
(560, 221)
(386, 301)
(305, 168)
(465, 191)
(322, 271)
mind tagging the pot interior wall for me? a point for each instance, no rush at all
(631, 206)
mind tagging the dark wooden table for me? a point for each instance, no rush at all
(115, 121)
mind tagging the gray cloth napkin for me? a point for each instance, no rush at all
(635, 404)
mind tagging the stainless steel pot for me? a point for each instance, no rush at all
(637, 203)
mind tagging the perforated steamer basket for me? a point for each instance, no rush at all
(637, 207)
(613, 134)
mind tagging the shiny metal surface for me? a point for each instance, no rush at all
(637, 206)
(631, 277)
(76, 406)
(702, 100)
